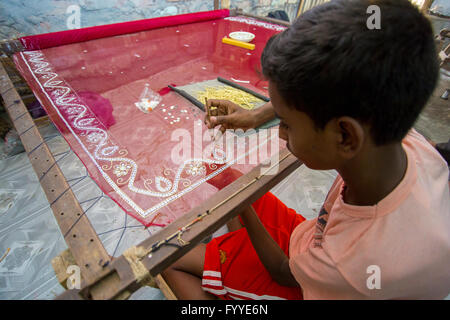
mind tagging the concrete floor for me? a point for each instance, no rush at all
(434, 121)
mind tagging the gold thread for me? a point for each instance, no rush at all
(241, 98)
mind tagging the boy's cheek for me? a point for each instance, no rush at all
(282, 134)
(310, 155)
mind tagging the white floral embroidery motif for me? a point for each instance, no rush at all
(58, 92)
(94, 137)
(74, 110)
(121, 169)
(167, 182)
(195, 168)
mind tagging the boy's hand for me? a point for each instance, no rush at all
(229, 115)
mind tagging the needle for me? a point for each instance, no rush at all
(213, 138)
(209, 114)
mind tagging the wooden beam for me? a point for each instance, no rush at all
(300, 7)
(9, 47)
(164, 287)
(78, 233)
(426, 5)
(267, 19)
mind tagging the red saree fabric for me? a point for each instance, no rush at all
(89, 89)
(48, 40)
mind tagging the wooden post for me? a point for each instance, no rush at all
(267, 19)
(62, 262)
(300, 7)
(9, 47)
(164, 287)
(426, 5)
(225, 4)
(78, 232)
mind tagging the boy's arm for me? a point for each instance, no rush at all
(269, 252)
(231, 116)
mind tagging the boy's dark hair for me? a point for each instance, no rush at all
(330, 64)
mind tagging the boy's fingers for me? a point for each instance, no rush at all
(209, 124)
(216, 102)
(214, 111)
(216, 120)
(222, 106)
(213, 122)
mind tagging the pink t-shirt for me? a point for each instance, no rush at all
(397, 249)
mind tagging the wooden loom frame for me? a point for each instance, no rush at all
(104, 277)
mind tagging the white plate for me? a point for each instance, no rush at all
(242, 36)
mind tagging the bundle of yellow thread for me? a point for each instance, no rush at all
(241, 98)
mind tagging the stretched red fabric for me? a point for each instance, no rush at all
(90, 89)
(53, 39)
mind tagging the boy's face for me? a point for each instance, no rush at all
(314, 147)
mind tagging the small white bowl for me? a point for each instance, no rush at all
(242, 36)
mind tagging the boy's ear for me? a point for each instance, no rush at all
(351, 136)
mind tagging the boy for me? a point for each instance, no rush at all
(347, 98)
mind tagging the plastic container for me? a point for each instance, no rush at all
(242, 36)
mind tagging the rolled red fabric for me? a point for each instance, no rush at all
(53, 39)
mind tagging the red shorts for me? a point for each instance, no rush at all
(232, 269)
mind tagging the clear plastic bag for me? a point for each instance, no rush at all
(148, 100)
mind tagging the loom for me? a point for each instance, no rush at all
(94, 84)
